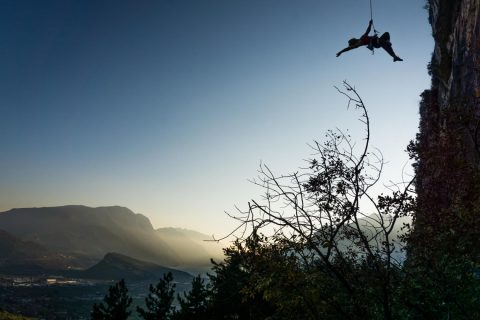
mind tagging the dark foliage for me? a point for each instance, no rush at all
(194, 304)
(115, 304)
(159, 301)
(309, 250)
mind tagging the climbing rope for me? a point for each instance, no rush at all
(370, 46)
(371, 14)
(371, 18)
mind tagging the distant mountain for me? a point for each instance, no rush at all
(115, 266)
(25, 257)
(197, 247)
(370, 227)
(89, 233)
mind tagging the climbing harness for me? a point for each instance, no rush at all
(370, 44)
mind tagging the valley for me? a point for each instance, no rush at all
(56, 262)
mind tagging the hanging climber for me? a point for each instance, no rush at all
(372, 42)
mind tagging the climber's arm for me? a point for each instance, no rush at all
(344, 50)
(368, 29)
(347, 49)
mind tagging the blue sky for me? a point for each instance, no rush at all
(168, 107)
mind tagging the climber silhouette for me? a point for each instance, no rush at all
(372, 42)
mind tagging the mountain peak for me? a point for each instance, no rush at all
(115, 266)
(88, 234)
(82, 214)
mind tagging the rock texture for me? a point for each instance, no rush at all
(456, 58)
(448, 145)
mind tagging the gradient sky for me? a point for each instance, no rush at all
(168, 107)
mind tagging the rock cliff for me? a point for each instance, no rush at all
(448, 144)
(456, 57)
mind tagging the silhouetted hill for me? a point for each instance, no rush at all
(115, 266)
(26, 257)
(371, 228)
(90, 233)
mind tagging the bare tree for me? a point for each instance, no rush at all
(331, 219)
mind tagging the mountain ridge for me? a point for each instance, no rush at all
(116, 266)
(90, 233)
(26, 257)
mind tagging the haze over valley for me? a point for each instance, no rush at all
(41, 240)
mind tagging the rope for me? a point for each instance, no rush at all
(371, 18)
(373, 25)
(371, 14)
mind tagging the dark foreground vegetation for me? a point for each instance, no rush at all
(319, 245)
(8, 316)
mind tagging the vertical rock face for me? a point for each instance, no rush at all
(448, 145)
(456, 59)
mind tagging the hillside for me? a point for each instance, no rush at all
(115, 266)
(197, 246)
(26, 257)
(88, 234)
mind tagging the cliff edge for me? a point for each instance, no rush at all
(448, 144)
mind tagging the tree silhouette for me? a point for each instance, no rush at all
(115, 304)
(328, 222)
(194, 304)
(228, 279)
(159, 300)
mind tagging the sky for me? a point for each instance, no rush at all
(169, 107)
